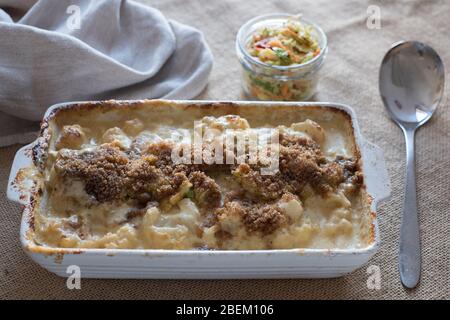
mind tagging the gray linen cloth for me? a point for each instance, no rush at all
(55, 51)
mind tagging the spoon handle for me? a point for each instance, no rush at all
(409, 253)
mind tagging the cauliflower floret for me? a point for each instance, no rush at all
(117, 137)
(312, 129)
(143, 140)
(226, 122)
(292, 208)
(71, 137)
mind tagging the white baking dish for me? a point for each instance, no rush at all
(201, 264)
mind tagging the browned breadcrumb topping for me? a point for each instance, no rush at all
(256, 217)
(267, 187)
(147, 175)
(350, 168)
(207, 193)
(143, 177)
(111, 174)
(103, 171)
(264, 218)
(301, 162)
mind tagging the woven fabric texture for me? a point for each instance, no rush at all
(350, 76)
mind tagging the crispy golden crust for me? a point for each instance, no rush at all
(143, 177)
(266, 187)
(110, 174)
(259, 218)
(150, 175)
(265, 218)
(333, 174)
(301, 163)
(206, 191)
(102, 171)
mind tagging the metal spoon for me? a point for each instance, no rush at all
(411, 85)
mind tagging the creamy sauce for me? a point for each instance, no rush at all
(70, 217)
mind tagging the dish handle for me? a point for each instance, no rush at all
(376, 173)
(17, 188)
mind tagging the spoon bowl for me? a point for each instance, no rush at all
(411, 82)
(411, 85)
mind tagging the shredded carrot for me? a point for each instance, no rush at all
(285, 91)
(275, 43)
(316, 53)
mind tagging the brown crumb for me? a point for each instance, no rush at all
(150, 175)
(357, 179)
(261, 218)
(206, 191)
(265, 219)
(237, 194)
(299, 164)
(143, 177)
(109, 174)
(267, 187)
(102, 171)
(333, 174)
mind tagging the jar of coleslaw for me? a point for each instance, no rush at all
(281, 56)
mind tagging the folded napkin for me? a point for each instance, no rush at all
(70, 50)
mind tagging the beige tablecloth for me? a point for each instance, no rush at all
(349, 76)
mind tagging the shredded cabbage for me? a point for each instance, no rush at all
(289, 44)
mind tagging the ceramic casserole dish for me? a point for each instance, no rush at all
(57, 241)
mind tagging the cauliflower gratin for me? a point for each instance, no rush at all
(105, 178)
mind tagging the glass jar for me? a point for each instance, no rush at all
(261, 81)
